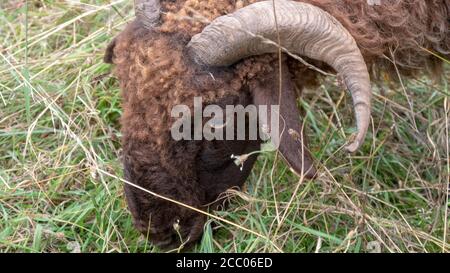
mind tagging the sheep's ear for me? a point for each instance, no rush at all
(109, 53)
(292, 143)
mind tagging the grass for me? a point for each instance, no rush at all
(60, 187)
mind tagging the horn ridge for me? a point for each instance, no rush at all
(148, 12)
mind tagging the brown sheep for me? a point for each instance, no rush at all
(160, 65)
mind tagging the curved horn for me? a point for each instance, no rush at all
(304, 30)
(147, 12)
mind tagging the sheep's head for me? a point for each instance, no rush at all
(157, 71)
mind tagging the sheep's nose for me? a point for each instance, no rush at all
(182, 232)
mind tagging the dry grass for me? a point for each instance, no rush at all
(60, 175)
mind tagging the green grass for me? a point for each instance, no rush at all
(59, 126)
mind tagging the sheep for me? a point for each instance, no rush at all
(164, 58)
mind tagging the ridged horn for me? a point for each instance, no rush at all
(305, 30)
(148, 12)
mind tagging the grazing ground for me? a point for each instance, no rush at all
(60, 187)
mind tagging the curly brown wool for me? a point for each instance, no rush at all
(155, 75)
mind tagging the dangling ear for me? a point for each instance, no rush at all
(109, 53)
(292, 143)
